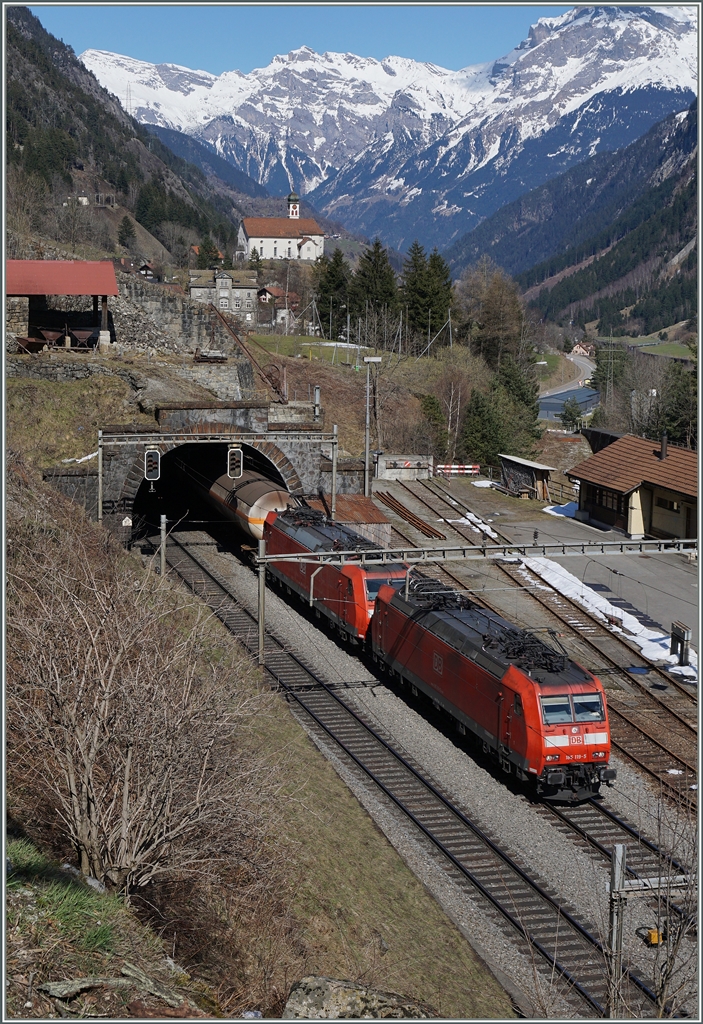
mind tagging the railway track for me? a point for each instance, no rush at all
(568, 948)
(589, 624)
(601, 828)
(657, 727)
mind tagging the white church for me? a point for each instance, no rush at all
(282, 238)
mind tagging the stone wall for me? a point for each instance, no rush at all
(17, 314)
(63, 368)
(185, 324)
(80, 484)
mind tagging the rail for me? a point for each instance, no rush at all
(515, 919)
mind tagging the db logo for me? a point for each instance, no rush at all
(577, 739)
(437, 663)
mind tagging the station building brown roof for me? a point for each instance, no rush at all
(280, 227)
(60, 277)
(631, 461)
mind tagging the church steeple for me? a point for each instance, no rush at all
(293, 206)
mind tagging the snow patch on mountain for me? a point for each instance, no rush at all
(349, 126)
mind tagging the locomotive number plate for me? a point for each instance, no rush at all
(438, 663)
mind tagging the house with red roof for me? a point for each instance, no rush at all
(643, 487)
(282, 238)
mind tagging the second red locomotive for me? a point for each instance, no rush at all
(343, 594)
(540, 714)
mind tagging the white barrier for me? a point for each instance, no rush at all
(458, 470)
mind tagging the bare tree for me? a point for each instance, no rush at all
(117, 706)
(25, 197)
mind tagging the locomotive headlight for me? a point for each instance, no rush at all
(552, 757)
(598, 753)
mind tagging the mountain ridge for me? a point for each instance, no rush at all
(559, 215)
(401, 143)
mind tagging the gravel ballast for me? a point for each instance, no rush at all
(578, 875)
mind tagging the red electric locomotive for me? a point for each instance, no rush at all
(343, 594)
(537, 712)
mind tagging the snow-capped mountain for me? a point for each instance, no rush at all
(404, 149)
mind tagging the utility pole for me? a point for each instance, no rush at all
(262, 601)
(618, 902)
(368, 360)
(100, 476)
(162, 547)
(333, 502)
(620, 888)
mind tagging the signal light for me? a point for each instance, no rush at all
(235, 463)
(152, 464)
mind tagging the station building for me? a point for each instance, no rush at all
(645, 488)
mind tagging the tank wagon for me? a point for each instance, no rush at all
(540, 715)
(248, 500)
(343, 594)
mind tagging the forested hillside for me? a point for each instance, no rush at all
(646, 266)
(67, 135)
(557, 224)
(207, 161)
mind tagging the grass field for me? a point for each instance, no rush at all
(667, 348)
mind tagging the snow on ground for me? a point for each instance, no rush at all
(477, 525)
(482, 483)
(84, 459)
(568, 510)
(654, 645)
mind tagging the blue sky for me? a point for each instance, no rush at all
(224, 37)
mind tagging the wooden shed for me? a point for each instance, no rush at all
(525, 479)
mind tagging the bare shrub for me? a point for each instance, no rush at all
(122, 707)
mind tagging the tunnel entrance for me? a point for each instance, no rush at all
(187, 472)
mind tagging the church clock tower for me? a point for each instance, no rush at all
(293, 206)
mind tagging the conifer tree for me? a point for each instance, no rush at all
(207, 253)
(416, 288)
(255, 261)
(374, 282)
(126, 235)
(440, 288)
(333, 286)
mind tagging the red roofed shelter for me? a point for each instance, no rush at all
(34, 278)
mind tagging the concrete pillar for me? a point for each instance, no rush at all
(635, 518)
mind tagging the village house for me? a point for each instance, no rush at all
(228, 290)
(642, 487)
(277, 306)
(281, 238)
(584, 348)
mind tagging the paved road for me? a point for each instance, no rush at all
(657, 589)
(585, 367)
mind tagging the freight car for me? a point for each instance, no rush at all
(539, 714)
(343, 594)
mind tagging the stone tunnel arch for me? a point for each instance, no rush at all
(143, 503)
(279, 461)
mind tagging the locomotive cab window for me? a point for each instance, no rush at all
(556, 710)
(517, 704)
(374, 584)
(588, 707)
